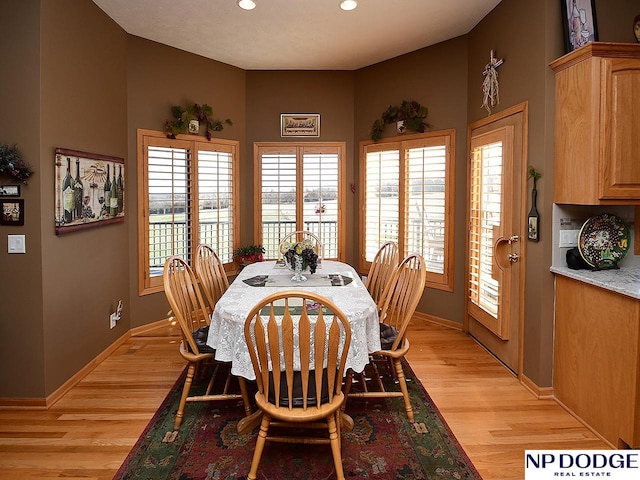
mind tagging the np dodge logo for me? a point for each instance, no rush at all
(610, 464)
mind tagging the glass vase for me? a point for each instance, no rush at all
(297, 268)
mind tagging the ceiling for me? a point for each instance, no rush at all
(297, 34)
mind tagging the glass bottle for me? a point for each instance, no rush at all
(120, 191)
(533, 218)
(78, 192)
(113, 197)
(68, 199)
(107, 194)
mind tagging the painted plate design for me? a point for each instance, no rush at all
(604, 240)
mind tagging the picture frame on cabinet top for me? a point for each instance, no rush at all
(578, 23)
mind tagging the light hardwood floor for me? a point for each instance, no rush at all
(88, 433)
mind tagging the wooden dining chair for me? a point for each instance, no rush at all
(211, 274)
(405, 289)
(189, 309)
(385, 260)
(300, 235)
(298, 342)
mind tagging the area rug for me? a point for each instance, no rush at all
(382, 445)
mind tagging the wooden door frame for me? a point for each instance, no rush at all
(521, 108)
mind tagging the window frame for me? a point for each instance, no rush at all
(440, 281)
(148, 284)
(300, 149)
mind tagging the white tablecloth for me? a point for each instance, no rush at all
(226, 333)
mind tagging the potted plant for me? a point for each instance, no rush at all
(12, 164)
(184, 118)
(410, 115)
(249, 254)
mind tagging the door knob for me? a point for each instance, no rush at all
(514, 257)
(513, 239)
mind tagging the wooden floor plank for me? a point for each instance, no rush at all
(88, 433)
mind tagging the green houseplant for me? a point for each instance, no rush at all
(201, 113)
(249, 254)
(12, 165)
(410, 112)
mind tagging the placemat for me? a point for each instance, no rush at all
(330, 280)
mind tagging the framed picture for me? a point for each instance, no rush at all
(579, 23)
(12, 212)
(9, 190)
(89, 190)
(300, 125)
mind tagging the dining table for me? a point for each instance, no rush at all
(337, 281)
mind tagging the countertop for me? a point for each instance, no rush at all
(625, 280)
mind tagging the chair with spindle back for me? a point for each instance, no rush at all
(380, 271)
(298, 343)
(185, 298)
(211, 274)
(404, 291)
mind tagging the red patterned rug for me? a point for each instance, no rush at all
(382, 444)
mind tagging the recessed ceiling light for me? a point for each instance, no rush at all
(247, 4)
(348, 4)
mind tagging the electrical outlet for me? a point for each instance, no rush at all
(569, 238)
(113, 319)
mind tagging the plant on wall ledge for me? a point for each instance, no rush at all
(410, 113)
(191, 118)
(12, 164)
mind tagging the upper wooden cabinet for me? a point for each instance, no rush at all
(597, 125)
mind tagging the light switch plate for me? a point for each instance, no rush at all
(16, 244)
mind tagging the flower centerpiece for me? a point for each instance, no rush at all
(12, 164)
(299, 257)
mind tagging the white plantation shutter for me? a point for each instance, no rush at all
(187, 197)
(486, 205)
(382, 190)
(215, 202)
(278, 193)
(425, 200)
(320, 202)
(407, 192)
(169, 210)
(299, 189)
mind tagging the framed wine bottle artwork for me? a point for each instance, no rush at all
(89, 190)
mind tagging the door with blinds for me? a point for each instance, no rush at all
(495, 238)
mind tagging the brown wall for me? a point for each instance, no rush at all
(159, 77)
(72, 78)
(436, 77)
(21, 323)
(83, 107)
(271, 93)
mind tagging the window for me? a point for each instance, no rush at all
(186, 196)
(407, 192)
(299, 187)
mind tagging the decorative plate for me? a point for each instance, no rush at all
(604, 241)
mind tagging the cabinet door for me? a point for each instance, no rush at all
(620, 114)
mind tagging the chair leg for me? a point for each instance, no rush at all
(403, 386)
(185, 394)
(260, 442)
(334, 440)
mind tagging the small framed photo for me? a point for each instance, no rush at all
(300, 125)
(579, 23)
(12, 212)
(9, 190)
